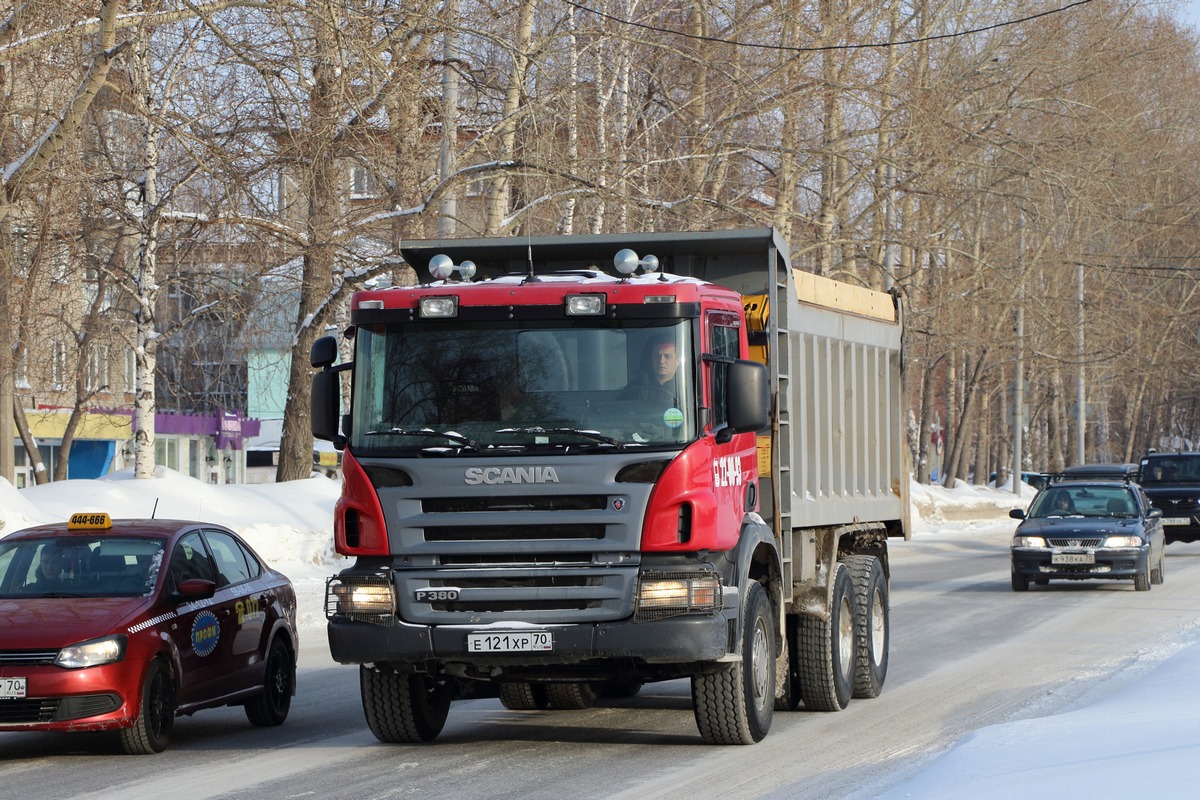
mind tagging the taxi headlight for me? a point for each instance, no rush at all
(108, 650)
(1029, 541)
(663, 595)
(1123, 541)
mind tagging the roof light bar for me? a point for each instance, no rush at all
(445, 307)
(585, 305)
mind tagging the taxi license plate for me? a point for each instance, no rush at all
(1073, 558)
(510, 642)
(1176, 521)
(12, 688)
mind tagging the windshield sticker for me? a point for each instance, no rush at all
(673, 418)
(206, 631)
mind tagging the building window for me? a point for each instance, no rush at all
(58, 365)
(97, 368)
(362, 183)
(130, 370)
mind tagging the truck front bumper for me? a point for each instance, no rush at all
(675, 640)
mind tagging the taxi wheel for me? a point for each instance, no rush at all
(156, 715)
(271, 706)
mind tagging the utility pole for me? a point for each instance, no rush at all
(1080, 396)
(1019, 389)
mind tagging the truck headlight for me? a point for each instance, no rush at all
(669, 594)
(95, 653)
(366, 598)
(1029, 541)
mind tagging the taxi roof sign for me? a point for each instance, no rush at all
(90, 520)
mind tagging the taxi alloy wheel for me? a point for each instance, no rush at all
(270, 707)
(156, 713)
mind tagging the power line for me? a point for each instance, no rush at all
(828, 47)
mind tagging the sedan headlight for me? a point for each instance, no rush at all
(1029, 541)
(1123, 541)
(95, 653)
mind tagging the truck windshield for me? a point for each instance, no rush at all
(496, 388)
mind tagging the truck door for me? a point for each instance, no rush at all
(734, 459)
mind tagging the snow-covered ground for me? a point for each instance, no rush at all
(1140, 740)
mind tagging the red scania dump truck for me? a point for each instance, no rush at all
(576, 464)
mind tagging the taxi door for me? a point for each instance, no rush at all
(203, 629)
(249, 602)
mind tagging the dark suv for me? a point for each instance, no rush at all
(1172, 481)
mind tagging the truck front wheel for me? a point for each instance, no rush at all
(736, 704)
(827, 649)
(403, 708)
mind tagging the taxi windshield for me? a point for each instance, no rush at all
(101, 566)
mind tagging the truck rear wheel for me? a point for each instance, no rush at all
(871, 628)
(736, 704)
(827, 649)
(403, 708)
(522, 696)
(572, 696)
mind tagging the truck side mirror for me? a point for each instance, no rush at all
(324, 352)
(749, 400)
(326, 405)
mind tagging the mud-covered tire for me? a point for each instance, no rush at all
(827, 649)
(403, 708)
(787, 668)
(571, 696)
(151, 730)
(522, 696)
(271, 706)
(871, 624)
(736, 704)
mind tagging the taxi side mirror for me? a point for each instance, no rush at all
(196, 589)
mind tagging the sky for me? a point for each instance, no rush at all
(1127, 739)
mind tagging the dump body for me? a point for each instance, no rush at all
(558, 478)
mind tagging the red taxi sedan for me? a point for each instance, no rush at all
(124, 624)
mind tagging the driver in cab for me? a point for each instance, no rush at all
(657, 381)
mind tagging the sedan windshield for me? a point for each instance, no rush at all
(474, 388)
(105, 566)
(1084, 501)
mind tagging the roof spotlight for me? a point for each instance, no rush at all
(626, 261)
(441, 267)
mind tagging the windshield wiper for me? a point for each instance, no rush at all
(453, 436)
(594, 436)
